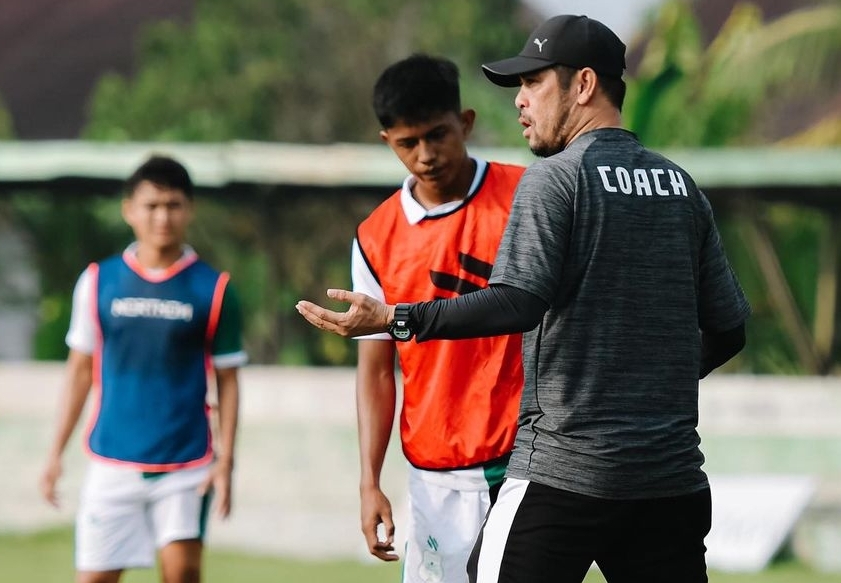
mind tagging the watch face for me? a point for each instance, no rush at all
(401, 333)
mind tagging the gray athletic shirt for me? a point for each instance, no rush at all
(622, 245)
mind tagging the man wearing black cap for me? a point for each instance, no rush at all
(612, 265)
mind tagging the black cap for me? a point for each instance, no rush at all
(574, 41)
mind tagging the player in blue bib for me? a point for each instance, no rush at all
(149, 328)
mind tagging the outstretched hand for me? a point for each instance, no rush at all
(364, 316)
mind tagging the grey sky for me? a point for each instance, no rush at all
(622, 16)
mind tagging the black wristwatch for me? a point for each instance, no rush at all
(400, 328)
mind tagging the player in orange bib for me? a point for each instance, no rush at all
(436, 237)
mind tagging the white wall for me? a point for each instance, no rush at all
(296, 474)
(297, 465)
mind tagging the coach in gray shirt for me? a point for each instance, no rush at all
(612, 264)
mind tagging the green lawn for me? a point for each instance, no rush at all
(46, 557)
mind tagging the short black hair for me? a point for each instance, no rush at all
(164, 172)
(612, 87)
(416, 89)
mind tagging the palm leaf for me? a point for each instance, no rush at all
(799, 51)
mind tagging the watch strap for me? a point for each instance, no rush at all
(400, 327)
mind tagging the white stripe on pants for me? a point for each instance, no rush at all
(496, 529)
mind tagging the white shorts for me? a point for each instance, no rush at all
(125, 515)
(446, 511)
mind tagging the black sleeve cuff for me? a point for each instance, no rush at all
(492, 311)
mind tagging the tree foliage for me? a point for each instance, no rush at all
(688, 93)
(302, 71)
(296, 70)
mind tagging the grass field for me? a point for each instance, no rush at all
(46, 557)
